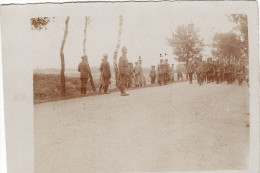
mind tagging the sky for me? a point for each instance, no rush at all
(146, 26)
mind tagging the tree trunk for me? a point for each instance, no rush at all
(84, 52)
(63, 82)
(117, 48)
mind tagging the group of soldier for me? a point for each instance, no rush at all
(135, 76)
(127, 74)
(216, 71)
(164, 74)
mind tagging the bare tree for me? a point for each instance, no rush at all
(117, 47)
(87, 20)
(63, 85)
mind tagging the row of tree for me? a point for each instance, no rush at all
(226, 47)
(185, 41)
(41, 23)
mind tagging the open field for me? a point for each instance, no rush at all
(47, 85)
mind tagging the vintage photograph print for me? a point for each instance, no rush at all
(140, 86)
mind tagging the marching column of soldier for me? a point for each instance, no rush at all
(133, 76)
(216, 71)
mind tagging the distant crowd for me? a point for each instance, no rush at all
(128, 75)
(216, 71)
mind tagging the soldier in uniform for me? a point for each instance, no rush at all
(152, 74)
(131, 74)
(232, 73)
(197, 66)
(123, 71)
(105, 73)
(172, 73)
(138, 74)
(160, 73)
(218, 73)
(228, 76)
(200, 71)
(141, 74)
(190, 70)
(101, 80)
(208, 71)
(179, 73)
(84, 70)
(165, 71)
(135, 74)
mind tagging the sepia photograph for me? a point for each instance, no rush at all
(133, 86)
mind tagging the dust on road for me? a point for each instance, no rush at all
(168, 128)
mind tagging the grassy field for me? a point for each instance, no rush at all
(47, 85)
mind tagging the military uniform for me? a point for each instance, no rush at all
(106, 74)
(142, 79)
(138, 75)
(160, 73)
(179, 73)
(84, 70)
(190, 70)
(240, 74)
(123, 72)
(153, 75)
(200, 71)
(130, 76)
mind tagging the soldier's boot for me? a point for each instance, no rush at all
(81, 90)
(85, 90)
(100, 88)
(105, 89)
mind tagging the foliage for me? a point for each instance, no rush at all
(241, 29)
(186, 42)
(234, 44)
(226, 46)
(39, 23)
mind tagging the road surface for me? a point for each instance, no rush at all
(169, 128)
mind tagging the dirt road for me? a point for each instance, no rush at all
(168, 128)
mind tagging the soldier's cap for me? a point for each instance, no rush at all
(136, 62)
(105, 55)
(153, 66)
(161, 59)
(166, 59)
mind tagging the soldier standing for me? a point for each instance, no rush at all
(190, 70)
(153, 74)
(131, 74)
(218, 73)
(101, 80)
(207, 71)
(197, 65)
(135, 74)
(172, 73)
(106, 73)
(84, 70)
(141, 74)
(160, 75)
(166, 72)
(138, 74)
(179, 73)
(123, 71)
